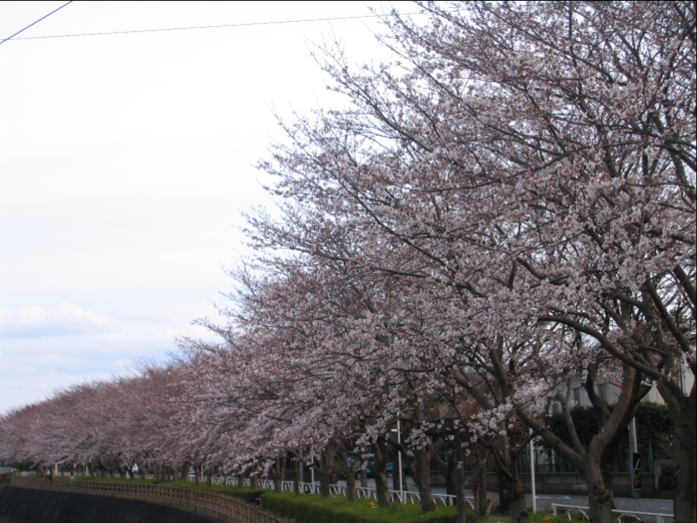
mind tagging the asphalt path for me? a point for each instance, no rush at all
(544, 501)
(663, 506)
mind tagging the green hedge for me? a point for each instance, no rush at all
(335, 509)
(246, 493)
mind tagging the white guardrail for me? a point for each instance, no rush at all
(624, 516)
(335, 489)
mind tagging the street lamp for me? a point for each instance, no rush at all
(399, 460)
(532, 474)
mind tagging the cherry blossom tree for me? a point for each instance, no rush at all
(537, 161)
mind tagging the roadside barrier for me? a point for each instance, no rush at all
(221, 506)
(622, 515)
(407, 497)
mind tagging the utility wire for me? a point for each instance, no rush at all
(34, 23)
(199, 27)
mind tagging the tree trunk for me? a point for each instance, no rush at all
(378, 467)
(122, 470)
(504, 490)
(685, 491)
(325, 462)
(254, 480)
(608, 460)
(278, 472)
(597, 463)
(459, 476)
(481, 505)
(423, 480)
(419, 467)
(683, 411)
(511, 493)
(598, 468)
(296, 479)
(448, 468)
(512, 490)
(518, 503)
(599, 497)
(350, 476)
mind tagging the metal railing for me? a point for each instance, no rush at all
(404, 496)
(624, 516)
(221, 506)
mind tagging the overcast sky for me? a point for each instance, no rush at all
(125, 162)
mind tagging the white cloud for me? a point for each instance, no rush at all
(62, 320)
(47, 347)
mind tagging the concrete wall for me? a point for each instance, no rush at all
(20, 505)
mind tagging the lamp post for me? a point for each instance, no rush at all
(398, 430)
(532, 474)
(634, 461)
(399, 458)
(312, 469)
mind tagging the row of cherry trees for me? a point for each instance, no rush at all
(507, 205)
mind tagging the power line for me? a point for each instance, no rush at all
(199, 27)
(36, 22)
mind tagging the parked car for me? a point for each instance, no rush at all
(389, 468)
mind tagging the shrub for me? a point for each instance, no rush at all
(335, 509)
(545, 517)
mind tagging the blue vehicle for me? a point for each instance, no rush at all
(388, 468)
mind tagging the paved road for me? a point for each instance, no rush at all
(544, 501)
(664, 506)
